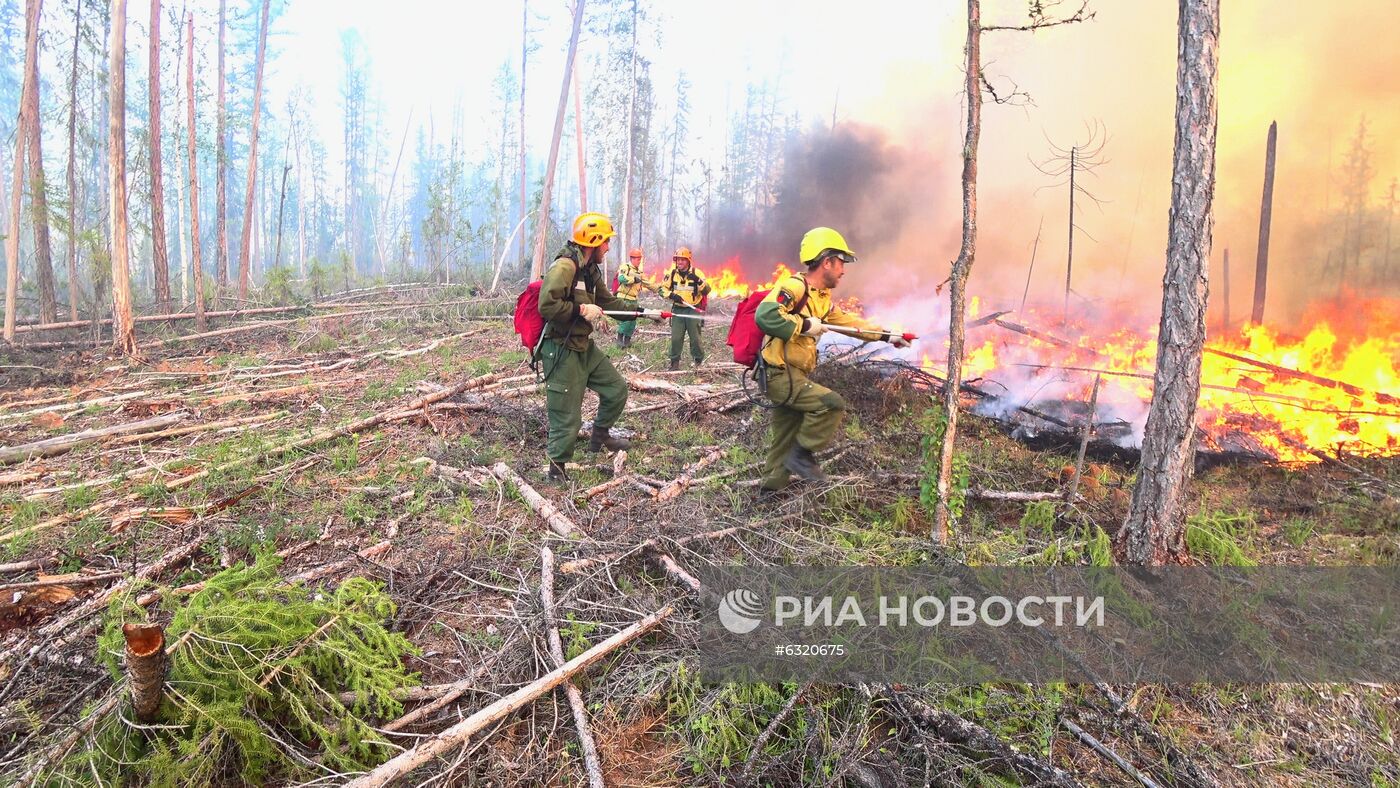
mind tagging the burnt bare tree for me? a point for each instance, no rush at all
(1266, 213)
(1154, 532)
(1069, 167)
(974, 85)
(542, 227)
(244, 250)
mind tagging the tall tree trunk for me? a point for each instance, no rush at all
(201, 323)
(524, 55)
(72, 169)
(1069, 257)
(281, 203)
(244, 259)
(578, 136)
(12, 237)
(221, 170)
(181, 242)
(542, 224)
(957, 288)
(626, 227)
(38, 185)
(160, 262)
(123, 328)
(1155, 529)
(1266, 213)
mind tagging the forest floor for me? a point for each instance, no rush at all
(241, 465)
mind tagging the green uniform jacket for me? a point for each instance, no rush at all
(630, 281)
(565, 288)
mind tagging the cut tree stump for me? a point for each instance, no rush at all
(145, 668)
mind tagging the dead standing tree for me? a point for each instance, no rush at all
(123, 328)
(542, 227)
(1154, 532)
(1082, 158)
(1266, 212)
(975, 83)
(244, 251)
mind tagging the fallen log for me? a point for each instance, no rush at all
(1103, 749)
(308, 318)
(571, 691)
(691, 401)
(440, 695)
(20, 477)
(1013, 495)
(326, 570)
(579, 564)
(458, 734)
(547, 511)
(1355, 391)
(194, 428)
(83, 727)
(675, 488)
(50, 447)
(1032, 333)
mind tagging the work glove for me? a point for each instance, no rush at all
(899, 342)
(591, 312)
(677, 300)
(654, 315)
(813, 327)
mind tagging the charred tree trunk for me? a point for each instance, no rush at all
(957, 288)
(160, 262)
(1069, 257)
(72, 169)
(244, 258)
(123, 329)
(38, 186)
(201, 323)
(542, 226)
(1266, 212)
(221, 177)
(1154, 532)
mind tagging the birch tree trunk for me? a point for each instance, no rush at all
(957, 288)
(221, 178)
(626, 225)
(524, 55)
(201, 323)
(72, 169)
(12, 237)
(160, 263)
(244, 259)
(38, 186)
(1154, 532)
(123, 329)
(542, 225)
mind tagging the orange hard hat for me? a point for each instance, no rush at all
(635, 254)
(683, 252)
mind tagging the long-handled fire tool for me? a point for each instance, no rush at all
(849, 331)
(655, 313)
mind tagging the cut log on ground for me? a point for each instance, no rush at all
(460, 733)
(50, 447)
(556, 650)
(547, 511)
(1103, 749)
(1356, 391)
(579, 564)
(675, 488)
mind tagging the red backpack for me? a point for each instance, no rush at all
(614, 283)
(744, 334)
(529, 324)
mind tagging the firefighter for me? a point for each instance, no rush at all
(686, 288)
(806, 415)
(573, 297)
(630, 283)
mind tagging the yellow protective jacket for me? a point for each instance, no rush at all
(778, 317)
(689, 284)
(630, 281)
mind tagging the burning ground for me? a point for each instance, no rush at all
(326, 440)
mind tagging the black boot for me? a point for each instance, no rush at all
(601, 439)
(624, 340)
(801, 462)
(675, 364)
(557, 473)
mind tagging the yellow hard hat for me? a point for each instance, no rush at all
(684, 252)
(820, 239)
(592, 229)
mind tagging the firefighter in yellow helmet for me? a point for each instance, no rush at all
(573, 297)
(793, 315)
(630, 283)
(686, 287)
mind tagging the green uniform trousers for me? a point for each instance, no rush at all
(808, 414)
(681, 327)
(569, 373)
(626, 327)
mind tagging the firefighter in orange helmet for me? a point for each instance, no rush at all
(686, 287)
(630, 283)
